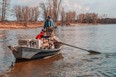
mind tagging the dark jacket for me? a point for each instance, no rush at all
(48, 23)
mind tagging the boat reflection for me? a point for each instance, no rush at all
(34, 68)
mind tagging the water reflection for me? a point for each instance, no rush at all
(35, 68)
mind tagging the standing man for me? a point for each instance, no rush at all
(48, 23)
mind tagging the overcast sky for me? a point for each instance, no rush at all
(80, 6)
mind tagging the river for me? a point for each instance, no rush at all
(70, 62)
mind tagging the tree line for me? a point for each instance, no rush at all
(52, 8)
(94, 18)
(27, 13)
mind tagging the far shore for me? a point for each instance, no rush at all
(19, 25)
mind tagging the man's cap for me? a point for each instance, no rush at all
(49, 16)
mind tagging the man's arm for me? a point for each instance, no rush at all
(45, 25)
(52, 23)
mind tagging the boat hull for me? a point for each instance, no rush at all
(32, 53)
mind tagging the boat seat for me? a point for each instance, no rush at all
(46, 37)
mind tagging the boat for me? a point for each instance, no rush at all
(29, 49)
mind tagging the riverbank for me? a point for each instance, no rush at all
(19, 25)
(22, 25)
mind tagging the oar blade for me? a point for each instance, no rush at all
(93, 52)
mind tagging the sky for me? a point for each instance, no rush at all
(80, 6)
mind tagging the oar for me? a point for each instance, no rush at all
(90, 51)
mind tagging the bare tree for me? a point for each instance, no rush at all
(95, 18)
(0, 12)
(25, 13)
(17, 12)
(36, 13)
(56, 9)
(88, 18)
(81, 18)
(33, 14)
(4, 8)
(51, 8)
(71, 16)
(63, 16)
(44, 8)
(59, 4)
(0, 8)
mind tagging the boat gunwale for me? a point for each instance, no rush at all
(41, 50)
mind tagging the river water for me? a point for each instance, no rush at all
(70, 62)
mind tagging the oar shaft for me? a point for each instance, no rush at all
(90, 51)
(74, 46)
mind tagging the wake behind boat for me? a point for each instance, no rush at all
(30, 49)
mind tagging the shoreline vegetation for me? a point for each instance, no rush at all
(27, 16)
(22, 25)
